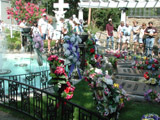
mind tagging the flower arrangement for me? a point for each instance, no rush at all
(109, 97)
(22, 10)
(72, 55)
(38, 43)
(59, 78)
(150, 116)
(91, 48)
(151, 95)
(145, 64)
(151, 78)
(38, 48)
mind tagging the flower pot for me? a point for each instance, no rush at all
(84, 38)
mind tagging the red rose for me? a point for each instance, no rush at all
(146, 76)
(153, 65)
(159, 76)
(146, 73)
(92, 50)
(147, 62)
(96, 56)
(141, 67)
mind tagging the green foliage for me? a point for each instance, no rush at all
(53, 42)
(100, 17)
(15, 42)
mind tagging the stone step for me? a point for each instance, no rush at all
(136, 88)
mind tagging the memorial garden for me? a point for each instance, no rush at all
(75, 76)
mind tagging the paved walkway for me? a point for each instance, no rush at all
(6, 116)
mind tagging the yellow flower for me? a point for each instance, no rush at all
(144, 57)
(121, 100)
(116, 85)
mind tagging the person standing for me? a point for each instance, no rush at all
(150, 33)
(109, 31)
(126, 36)
(42, 26)
(22, 25)
(142, 38)
(135, 30)
(119, 33)
(50, 33)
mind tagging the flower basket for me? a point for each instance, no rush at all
(84, 38)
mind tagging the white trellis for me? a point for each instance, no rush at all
(119, 4)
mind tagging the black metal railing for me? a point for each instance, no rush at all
(39, 104)
(36, 79)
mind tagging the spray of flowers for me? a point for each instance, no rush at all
(59, 77)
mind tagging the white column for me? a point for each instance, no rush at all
(80, 14)
(123, 15)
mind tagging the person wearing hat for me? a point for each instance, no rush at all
(42, 26)
(109, 31)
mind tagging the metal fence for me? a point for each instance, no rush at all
(36, 79)
(41, 105)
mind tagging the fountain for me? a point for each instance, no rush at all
(2, 52)
(18, 63)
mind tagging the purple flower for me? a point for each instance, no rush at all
(37, 45)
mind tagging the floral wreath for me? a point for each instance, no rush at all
(72, 54)
(150, 116)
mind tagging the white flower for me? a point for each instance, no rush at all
(116, 99)
(99, 71)
(74, 59)
(73, 49)
(109, 81)
(70, 57)
(78, 63)
(66, 37)
(72, 39)
(65, 46)
(79, 39)
(76, 43)
(67, 53)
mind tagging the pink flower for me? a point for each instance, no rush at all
(16, 12)
(69, 96)
(68, 83)
(8, 17)
(92, 75)
(59, 70)
(17, 8)
(72, 89)
(16, 18)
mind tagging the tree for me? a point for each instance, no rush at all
(23, 10)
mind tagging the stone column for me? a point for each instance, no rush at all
(80, 14)
(123, 14)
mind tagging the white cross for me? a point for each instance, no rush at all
(61, 5)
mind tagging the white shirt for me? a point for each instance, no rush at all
(141, 34)
(35, 30)
(120, 30)
(22, 25)
(44, 25)
(51, 30)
